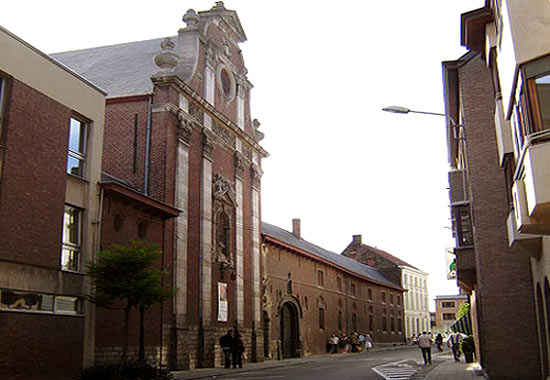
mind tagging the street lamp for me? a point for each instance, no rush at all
(404, 110)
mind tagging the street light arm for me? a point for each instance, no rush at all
(404, 110)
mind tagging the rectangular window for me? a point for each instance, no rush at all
(462, 225)
(321, 318)
(71, 247)
(339, 283)
(39, 302)
(391, 299)
(320, 278)
(77, 147)
(398, 300)
(353, 289)
(369, 294)
(2, 81)
(448, 304)
(383, 297)
(539, 95)
(448, 316)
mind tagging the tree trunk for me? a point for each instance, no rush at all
(126, 333)
(141, 334)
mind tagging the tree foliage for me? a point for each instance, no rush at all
(463, 309)
(126, 274)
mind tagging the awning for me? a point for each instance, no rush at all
(463, 325)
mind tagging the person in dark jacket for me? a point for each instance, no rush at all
(227, 343)
(238, 349)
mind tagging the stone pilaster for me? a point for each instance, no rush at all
(239, 168)
(206, 228)
(182, 222)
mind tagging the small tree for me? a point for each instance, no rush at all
(125, 274)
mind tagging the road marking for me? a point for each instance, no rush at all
(399, 370)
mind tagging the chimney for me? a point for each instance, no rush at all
(296, 228)
(357, 239)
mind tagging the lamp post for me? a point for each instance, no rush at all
(404, 110)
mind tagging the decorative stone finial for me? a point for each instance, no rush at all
(219, 6)
(166, 59)
(258, 136)
(190, 18)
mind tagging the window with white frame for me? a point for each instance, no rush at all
(72, 235)
(77, 147)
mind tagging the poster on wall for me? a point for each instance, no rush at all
(451, 263)
(222, 302)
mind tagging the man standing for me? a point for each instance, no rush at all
(425, 344)
(454, 342)
(227, 342)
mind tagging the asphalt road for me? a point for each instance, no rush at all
(390, 364)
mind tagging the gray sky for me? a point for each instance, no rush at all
(322, 71)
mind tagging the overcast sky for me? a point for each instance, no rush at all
(322, 71)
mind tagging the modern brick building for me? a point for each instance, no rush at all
(512, 37)
(479, 208)
(51, 134)
(412, 279)
(179, 138)
(310, 293)
(446, 310)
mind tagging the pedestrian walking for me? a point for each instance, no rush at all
(354, 342)
(454, 343)
(344, 341)
(439, 342)
(227, 342)
(425, 344)
(368, 343)
(238, 350)
(333, 341)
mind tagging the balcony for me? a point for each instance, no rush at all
(503, 131)
(531, 244)
(456, 186)
(531, 191)
(465, 267)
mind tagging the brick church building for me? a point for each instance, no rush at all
(182, 168)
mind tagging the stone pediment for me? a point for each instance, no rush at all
(229, 17)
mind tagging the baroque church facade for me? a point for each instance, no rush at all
(179, 136)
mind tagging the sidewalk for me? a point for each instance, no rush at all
(448, 369)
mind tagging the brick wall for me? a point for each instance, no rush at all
(500, 306)
(34, 176)
(31, 343)
(306, 291)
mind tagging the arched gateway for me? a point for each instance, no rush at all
(290, 335)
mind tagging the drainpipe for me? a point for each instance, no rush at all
(148, 146)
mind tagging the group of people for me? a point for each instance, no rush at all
(233, 349)
(356, 343)
(425, 342)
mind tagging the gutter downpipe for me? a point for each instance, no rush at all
(148, 146)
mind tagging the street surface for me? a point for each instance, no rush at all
(400, 363)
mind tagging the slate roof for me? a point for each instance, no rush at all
(390, 257)
(362, 270)
(121, 70)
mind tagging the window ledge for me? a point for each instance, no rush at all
(59, 314)
(78, 177)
